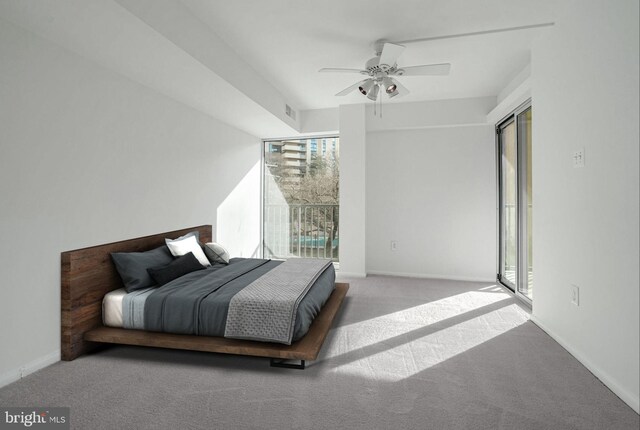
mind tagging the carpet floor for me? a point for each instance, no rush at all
(403, 354)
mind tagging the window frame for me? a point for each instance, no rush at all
(264, 141)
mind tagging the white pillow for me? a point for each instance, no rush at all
(216, 253)
(186, 244)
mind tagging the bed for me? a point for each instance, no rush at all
(88, 275)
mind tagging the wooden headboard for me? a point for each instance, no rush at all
(88, 274)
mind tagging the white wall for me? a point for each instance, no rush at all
(352, 190)
(238, 220)
(89, 157)
(320, 120)
(433, 192)
(180, 24)
(585, 220)
(514, 94)
(434, 113)
(422, 175)
(161, 45)
(277, 212)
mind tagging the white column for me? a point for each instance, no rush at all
(352, 190)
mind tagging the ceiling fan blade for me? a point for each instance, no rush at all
(390, 54)
(426, 70)
(341, 70)
(351, 88)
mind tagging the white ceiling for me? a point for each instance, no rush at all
(241, 61)
(288, 41)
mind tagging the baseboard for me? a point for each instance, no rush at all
(33, 366)
(340, 273)
(629, 398)
(430, 276)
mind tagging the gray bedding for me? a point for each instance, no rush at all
(133, 308)
(198, 303)
(266, 309)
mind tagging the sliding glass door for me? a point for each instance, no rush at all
(515, 267)
(525, 284)
(508, 197)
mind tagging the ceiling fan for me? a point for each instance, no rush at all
(382, 71)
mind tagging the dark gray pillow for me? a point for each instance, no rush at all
(132, 266)
(180, 266)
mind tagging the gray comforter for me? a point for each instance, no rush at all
(198, 303)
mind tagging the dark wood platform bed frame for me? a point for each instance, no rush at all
(88, 274)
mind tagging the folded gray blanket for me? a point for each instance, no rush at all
(266, 309)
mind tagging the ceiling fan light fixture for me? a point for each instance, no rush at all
(366, 87)
(393, 93)
(373, 93)
(382, 70)
(389, 85)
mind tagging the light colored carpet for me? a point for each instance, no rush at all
(403, 354)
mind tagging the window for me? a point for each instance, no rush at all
(300, 198)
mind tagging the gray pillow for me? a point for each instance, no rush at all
(180, 266)
(216, 253)
(132, 266)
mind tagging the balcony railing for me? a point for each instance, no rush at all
(301, 230)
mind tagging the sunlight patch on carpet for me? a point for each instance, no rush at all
(400, 345)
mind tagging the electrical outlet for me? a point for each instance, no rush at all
(394, 245)
(22, 371)
(578, 158)
(575, 295)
